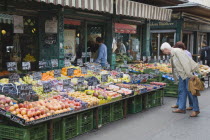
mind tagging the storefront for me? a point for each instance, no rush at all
(183, 27)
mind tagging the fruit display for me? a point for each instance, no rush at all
(29, 58)
(158, 83)
(204, 69)
(6, 102)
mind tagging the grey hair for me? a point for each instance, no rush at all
(165, 45)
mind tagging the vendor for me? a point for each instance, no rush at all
(102, 52)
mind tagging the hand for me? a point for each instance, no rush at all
(192, 78)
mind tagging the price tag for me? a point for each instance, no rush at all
(84, 70)
(79, 62)
(67, 62)
(14, 77)
(66, 83)
(81, 79)
(26, 65)
(70, 71)
(37, 75)
(118, 69)
(149, 58)
(57, 73)
(11, 66)
(54, 63)
(138, 57)
(47, 87)
(42, 64)
(25, 92)
(86, 55)
(91, 60)
(104, 78)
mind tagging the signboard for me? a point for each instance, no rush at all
(86, 55)
(50, 39)
(25, 92)
(67, 62)
(26, 65)
(11, 66)
(18, 24)
(54, 63)
(14, 77)
(79, 62)
(42, 64)
(84, 70)
(51, 26)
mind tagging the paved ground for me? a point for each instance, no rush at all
(158, 124)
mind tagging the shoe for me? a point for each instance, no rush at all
(179, 111)
(175, 106)
(194, 113)
(189, 108)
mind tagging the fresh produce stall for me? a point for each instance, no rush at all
(71, 101)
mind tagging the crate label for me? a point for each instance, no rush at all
(37, 75)
(11, 66)
(57, 73)
(26, 66)
(104, 78)
(70, 71)
(14, 77)
(54, 63)
(47, 87)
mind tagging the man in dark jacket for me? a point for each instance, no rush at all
(205, 54)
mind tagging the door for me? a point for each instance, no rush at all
(188, 40)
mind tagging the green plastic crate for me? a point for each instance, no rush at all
(57, 129)
(70, 126)
(38, 132)
(104, 115)
(117, 111)
(134, 104)
(85, 121)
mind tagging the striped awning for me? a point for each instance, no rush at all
(136, 9)
(95, 5)
(7, 19)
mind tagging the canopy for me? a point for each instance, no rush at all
(125, 28)
(95, 5)
(136, 9)
(7, 19)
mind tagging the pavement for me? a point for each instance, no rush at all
(158, 123)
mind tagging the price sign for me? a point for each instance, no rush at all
(12, 66)
(42, 64)
(144, 58)
(47, 87)
(26, 65)
(66, 83)
(25, 92)
(91, 60)
(84, 70)
(79, 62)
(14, 77)
(67, 63)
(57, 73)
(86, 55)
(37, 75)
(70, 71)
(138, 57)
(54, 63)
(149, 58)
(104, 78)
(81, 79)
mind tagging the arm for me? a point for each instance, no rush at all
(100, 54)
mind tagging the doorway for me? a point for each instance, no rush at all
(188, 40)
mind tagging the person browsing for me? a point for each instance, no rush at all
(102, 53)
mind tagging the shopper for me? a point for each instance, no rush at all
(205, 53)
(181, 45)
(184, 66)
(102, 53)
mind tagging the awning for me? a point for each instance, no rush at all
(125, 28)
(7, 19)
(140, 10)
(95, 5)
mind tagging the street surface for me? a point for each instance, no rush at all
(158, 124)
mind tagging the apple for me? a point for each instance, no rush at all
(12, 108)
(16, 106)
(23, 112)
(20, 105)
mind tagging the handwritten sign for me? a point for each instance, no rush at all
(25, 92)
(14, 78)
(12, 66)
(26, 65)
(70, 71)
(79, 62)
(86, 55)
